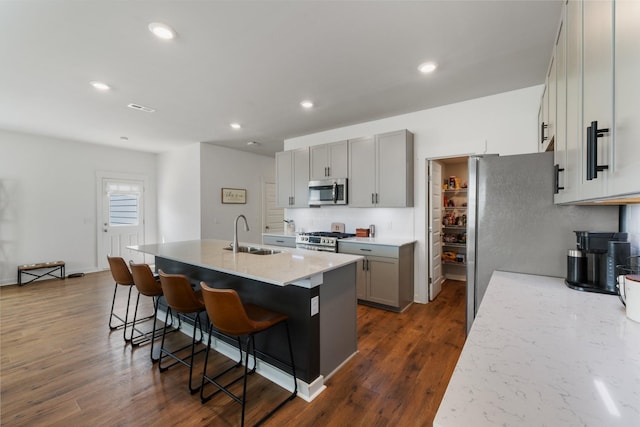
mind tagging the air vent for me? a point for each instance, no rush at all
(141, 108)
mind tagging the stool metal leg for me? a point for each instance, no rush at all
(187, 360)
(212, 380)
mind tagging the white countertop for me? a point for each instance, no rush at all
(385, 241)
(542, 354)
(291, 266)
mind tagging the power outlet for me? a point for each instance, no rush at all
(315, 305)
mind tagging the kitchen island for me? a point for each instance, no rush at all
(317, 290)
(542, 354)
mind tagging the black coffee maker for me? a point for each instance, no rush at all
(591, 266)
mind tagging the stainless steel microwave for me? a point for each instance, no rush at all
(328, 192)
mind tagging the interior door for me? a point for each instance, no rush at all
(122, 220)
(272, 216)
(435, 229)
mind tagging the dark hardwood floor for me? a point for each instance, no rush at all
(61, 365)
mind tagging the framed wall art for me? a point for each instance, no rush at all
(234, 195)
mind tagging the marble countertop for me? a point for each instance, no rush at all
(542, 354)
(289, 267)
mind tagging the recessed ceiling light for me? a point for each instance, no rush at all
(306, 104)
(427, 67)
(124, 138)
(253, 143)
(162, 31)
(235, 125)
(100, 86)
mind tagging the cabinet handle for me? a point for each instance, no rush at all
(279, 241)
(376, 198)
(557, 170)
(593, 133)
(543, 137)
(365, 250)
(373, 198)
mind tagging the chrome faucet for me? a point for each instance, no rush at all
(235, 231)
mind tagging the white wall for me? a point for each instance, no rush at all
(226, 168)
(504, 124)
(179, 194)
(48, 199)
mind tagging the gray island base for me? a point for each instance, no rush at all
(316, 290)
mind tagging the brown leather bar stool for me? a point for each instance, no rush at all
(185, 302)
(122, 277)
(229, 315)
(148, 285)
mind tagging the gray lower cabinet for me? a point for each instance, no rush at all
(275, 240)
(385, 275)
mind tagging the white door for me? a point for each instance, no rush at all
(435, 229)
(272, 216)
(122, 220)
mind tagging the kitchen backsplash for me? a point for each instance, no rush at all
(389, 222)
(633, 227)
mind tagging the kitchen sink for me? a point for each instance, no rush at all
(254, 250)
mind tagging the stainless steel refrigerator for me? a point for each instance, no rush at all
(513, 224)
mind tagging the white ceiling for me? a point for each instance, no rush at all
(253, 62)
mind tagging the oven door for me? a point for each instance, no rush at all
(328, 192)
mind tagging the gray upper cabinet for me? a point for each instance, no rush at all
(329, 161)
(381, 170)
(362, 172)
(597, 114)
(292, 178)
(624, 171)
(547, 112)
(560, 141)
(597, 95)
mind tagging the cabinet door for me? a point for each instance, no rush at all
(541, 129)
(362, 161)
(543, 119)
(338, 159)
(395, 169)
(361, 280)
(625, 168)
(597, 101)
(552, 100)
(301, 178)
(573, 171)
(319, 162)
(383, 280)
(560, 143)
(284, 174)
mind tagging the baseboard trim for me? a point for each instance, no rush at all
(306, 391)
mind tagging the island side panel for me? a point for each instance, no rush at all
(338, 328)
(294, 301)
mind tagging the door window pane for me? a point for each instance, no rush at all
(123, 209)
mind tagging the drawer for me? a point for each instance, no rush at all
(368, 250)
(287, 241)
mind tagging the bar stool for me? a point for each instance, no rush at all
(122, 277)
(232, 317)
(148, 285)
(186, 302)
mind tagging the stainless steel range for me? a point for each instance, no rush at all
(320, 240)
